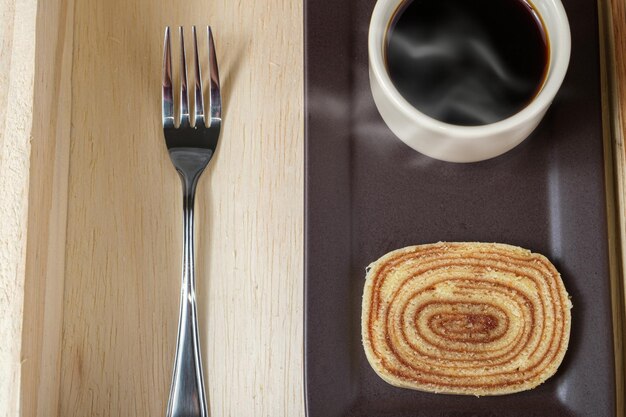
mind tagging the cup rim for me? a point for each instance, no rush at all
(557, 68)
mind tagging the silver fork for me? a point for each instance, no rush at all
(191, 148)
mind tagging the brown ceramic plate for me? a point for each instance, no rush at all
(367, 193)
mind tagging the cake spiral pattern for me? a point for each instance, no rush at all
(465, 318)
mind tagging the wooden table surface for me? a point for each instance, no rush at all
(90, 231)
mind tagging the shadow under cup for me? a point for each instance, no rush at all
(461, 82)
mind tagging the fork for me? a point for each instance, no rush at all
(190, 147)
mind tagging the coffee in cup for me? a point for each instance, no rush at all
(467, 63)
(464, 81)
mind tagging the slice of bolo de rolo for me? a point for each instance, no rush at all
(465, 318)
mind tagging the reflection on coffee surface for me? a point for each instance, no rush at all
(467, 62)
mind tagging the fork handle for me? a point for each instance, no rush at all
(187, 395)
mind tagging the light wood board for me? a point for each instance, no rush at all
(115, 287)
(17, 59)
(122, 264)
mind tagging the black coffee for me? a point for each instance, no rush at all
(467, 62)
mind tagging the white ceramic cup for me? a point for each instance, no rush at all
(455, 143)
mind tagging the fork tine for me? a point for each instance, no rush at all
(166, 94)
(184, 99)
(215, 112)
(199, 100)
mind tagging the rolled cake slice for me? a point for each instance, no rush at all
(465, 318)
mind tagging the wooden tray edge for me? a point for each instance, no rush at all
(612, 72)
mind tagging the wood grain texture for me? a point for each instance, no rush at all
(613, 27)
(47, 211)
(17, 58)
(123, 252)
